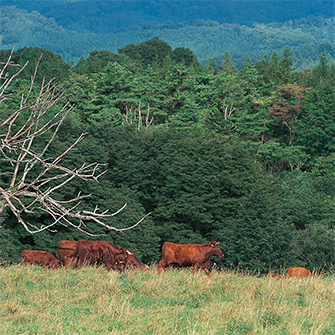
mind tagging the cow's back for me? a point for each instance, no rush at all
(37, 257)
(298, 271)
(67, 244)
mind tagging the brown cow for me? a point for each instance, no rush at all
(274, 275)
(125, 258)
(66, 251)
(298, 271)
(188, 255)
(94, 251)
(120, 254)
(43, 258)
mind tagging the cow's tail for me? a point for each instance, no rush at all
(163, 250)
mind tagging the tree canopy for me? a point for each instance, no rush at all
(243, 156)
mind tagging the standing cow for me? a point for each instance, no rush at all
(94, 251)
(43, 258)
(188, 255)
(298, 271)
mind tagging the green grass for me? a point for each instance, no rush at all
(93, 301)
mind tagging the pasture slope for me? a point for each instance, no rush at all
(93, 301)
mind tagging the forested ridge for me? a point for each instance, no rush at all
(98, 16)
(243, 156)
(73, 35)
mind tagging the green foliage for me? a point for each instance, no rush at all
(277, 158)
(307, 37)
(315, 126)
(148, 52)
(51, 64)
(214, 181)
(11, 248)
(199, 147)
(183, 55)
(314, 246)
(100, 17)
(308, 200)
(97, 60)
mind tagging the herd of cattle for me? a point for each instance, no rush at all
(75, 253)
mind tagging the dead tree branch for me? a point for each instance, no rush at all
(35, 176)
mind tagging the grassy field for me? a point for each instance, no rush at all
(93, 301)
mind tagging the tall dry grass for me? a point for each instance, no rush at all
(93, 301)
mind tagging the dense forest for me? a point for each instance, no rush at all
(74, 29)
(243, 156)
(98, 16)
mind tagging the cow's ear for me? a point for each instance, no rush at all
(212, 245)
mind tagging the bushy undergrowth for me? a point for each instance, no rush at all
(93, 301)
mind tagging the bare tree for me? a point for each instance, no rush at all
(130, 116)
(33, 177)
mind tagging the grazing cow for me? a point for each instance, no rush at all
(298, 271)
(273, 275)
(43, 258)
(119, 253)
(94, 251)
(124, 257)
(188, 255)
(66, 251)
(132, 261)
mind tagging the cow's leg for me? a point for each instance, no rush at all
(162, 264)
(195, 268)
(208, 273)
(80, 262)
(69, 260)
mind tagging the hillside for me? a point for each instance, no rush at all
(98, 16)
(308, 38)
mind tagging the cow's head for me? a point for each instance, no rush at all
(119, 266)
(215, 249)
(121, 255)
(132, 260)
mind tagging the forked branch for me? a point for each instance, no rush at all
(35, 177)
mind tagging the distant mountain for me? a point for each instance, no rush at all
(307, 37)
(105, 16)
